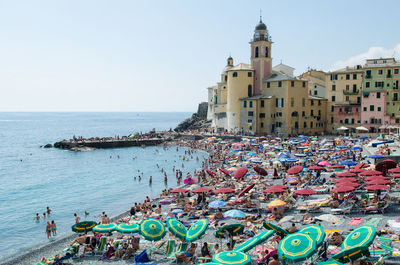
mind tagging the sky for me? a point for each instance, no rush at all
(162, 55)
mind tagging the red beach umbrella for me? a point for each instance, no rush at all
(305, 192)
(240, 172)
(371, 178)
(224, 190)
(210, 172)
(361, 165)
(295, 170)
(349, 184)
(394, 170)
(345, 180)
(279, 186)
(371, 173)
(201, 190)
(260, 171)
(397, 176)
(342, 189)
(345, 175)
(378, 182)
(357, 170)
(316, 168)
(337, 166)
(246, 189)
(179, 190)
(377, 187)
(274, 190)
(225, 172)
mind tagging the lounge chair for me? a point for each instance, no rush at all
(375, 210)
(181, 248)
(170, 248)
(344, 208)
(211, 248)
(102, 246)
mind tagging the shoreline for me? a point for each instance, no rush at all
(50, 248)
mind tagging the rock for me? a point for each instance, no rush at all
(48, 146)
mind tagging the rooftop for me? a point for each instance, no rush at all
(241, 66)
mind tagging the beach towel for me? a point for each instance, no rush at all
(142, 257)
(355, 221)
(374, 221)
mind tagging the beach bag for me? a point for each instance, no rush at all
(142, 257)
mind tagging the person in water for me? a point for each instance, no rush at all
(37, 217)
(77, 218)
(151, 179)
(44, 215)
(48, 230)
(53, 228)
(48, 210)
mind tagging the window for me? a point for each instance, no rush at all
(331, 119)
(268, 84)
(378, 95)
(262, 103)
(262, 125)
(315, 92)
(380, 72)
(256, 52)
(305, 124)
(371, 107)
(354, 88)
(266, 52)
(249, 91)
(340, 110)
(249, 74)
(366, 84)
(303, 113)
(347, 87)
(319, 102)
(245, 104)
(333, 98)
(332, 108)
(280, 84)
(292, 83)
(379, 108)
(282, 104)
(311, 124)
(226, 78)
(312, 112)
(312, 102)
(365, 109)
(304, 102)
(347, 98)
(396, 71)
(262, 115)
(368, 74)
(333, 87)
(292, 102)
(380, 84)
(341, 121)
(347, 77)
(250, 104)
(354, 76)
(304, 84)
(319, 112)
(250, 113)
(234, 74)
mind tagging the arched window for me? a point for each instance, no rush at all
(234, 74)
(266, 52)
(249, 91)
(256, 52)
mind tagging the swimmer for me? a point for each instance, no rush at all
(118, 156)
(44, 215)
(134, 178)
(37, 217)
(48, 210)
(86, 213)
(77, 218)
(151, 179)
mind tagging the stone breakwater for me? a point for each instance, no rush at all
(87, 145)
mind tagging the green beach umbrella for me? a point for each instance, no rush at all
(152, 229)
(211, 263)
(362, 236)
(350, 254)
(127, 228)
(254, 241)
(42, 263)
(176, 228)
(296, 247)
(197, 230)
(316, 232)
(232, 258)
(104, 228)
(83, 226)
(279, 230)
(233, 230)
(330, 262)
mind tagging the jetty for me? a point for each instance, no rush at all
(101, 144)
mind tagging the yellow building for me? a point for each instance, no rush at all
(316, 82)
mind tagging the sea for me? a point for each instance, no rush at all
(33, 178)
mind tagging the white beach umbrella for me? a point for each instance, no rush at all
(362, 128)
(342, 128)
(383, 127)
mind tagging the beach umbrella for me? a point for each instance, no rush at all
(362, 137)
(42, 263)
(361, 165)
(385, 165)
(345, 175)
(152, 229)
(251, 154)
(286, 218)
(350, 254)
(295, 170)
(197, 230)
(224, 190)
(279, 186)
(355, 148)
(361, 128)
(362, 236)
(246, 189)
(357, 170)
(211, 263)
(232, 169)
(235, 213)
(279, 230)
(330, 262)
(176, 228)
(216, 204)
(176, 211)
(240, 173)
(288, 160)
(305, 192)
(254, 241)
(83, 226)
(211, 173)
(371, 178)
(347, 183)
(378, 182)
(316, 168)
(348, 163)
(296, 247)
(397, 176)
(336, 166)
(324, 163)
(377, 187)
(276, 203)
(394, 170)
(316, 232)
(343, 189)
(370, 173)
(179, 190)
(274, 190)
(232, 229)
(345, 180)
(260, 171)
(104, 228)
(376, 156)
(232, 258)
(202, 190)
(127, 228)
(225, 172)
(342, 128)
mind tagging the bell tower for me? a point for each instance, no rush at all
(261, 59)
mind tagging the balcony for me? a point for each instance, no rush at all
(388, 76)
(395, 99)
(368, 76)
(351, 92)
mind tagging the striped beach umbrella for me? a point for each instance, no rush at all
(296, 247)
(176, 228)
(362, 236)
(197, 230)
(83, 226)
(279, 230)
(350, 254)
(232, 258)
(254, 241)
(127, 228)
(316, 232)
(152, 229)
(232, 229)
(104, 228)
(330, 262)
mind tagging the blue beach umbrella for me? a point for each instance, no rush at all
(355, 148)
(300, 155)
(362, 137)
(251, 154)
(235, 214)
(376, 156)
(216, 204)
(348, 163)
(176, 211)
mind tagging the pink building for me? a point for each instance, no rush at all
(373, 114)
(347, 114)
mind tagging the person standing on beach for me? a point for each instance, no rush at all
(48, 229)
(77, 218)
(53, 228)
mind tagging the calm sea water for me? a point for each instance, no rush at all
(32, 178)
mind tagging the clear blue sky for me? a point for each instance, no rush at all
(162, 55)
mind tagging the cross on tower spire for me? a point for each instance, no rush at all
(260, 15)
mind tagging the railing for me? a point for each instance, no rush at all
(368, 76)
(395, 99)
(345, 92)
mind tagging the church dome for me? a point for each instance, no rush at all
(226, 69)
(261, 26)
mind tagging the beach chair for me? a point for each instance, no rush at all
(170, 248)
(75, 252)
(181, 248)
(204, 259)
(102, 246)
(344, 208)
